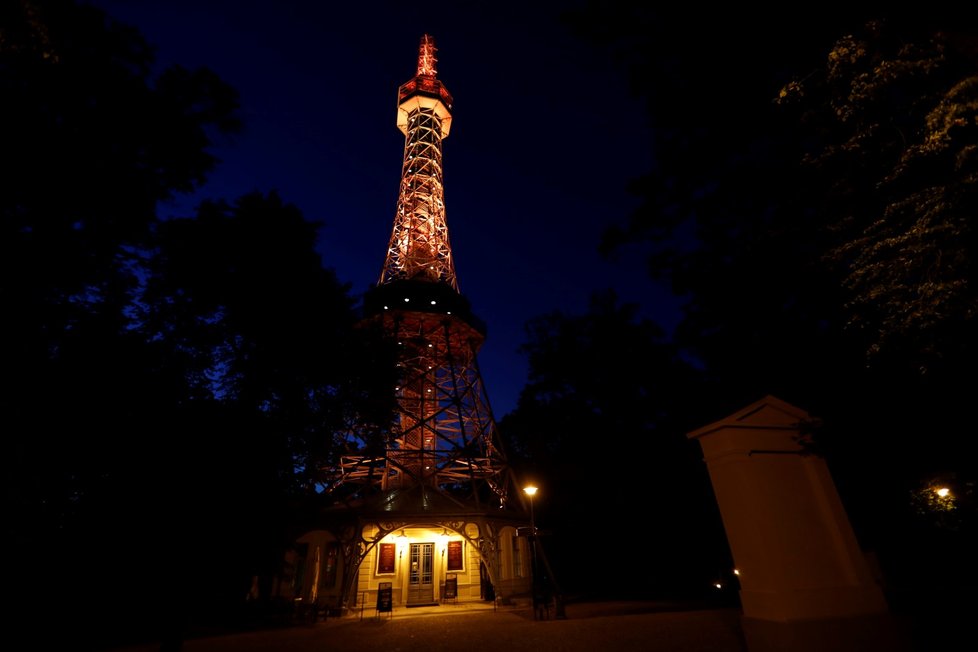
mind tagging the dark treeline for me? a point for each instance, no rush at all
(172, 386)
(813, 201)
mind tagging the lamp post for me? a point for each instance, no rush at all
(542, 595)
(531, 491)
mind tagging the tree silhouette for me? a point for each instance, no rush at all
(92, 141)
(891, 123)
(601, 427)
(274, 373)
(170, 386)
(810, 199)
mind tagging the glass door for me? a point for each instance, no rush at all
(421, 588)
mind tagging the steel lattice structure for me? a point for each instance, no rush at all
(446, 437)
(419, 246)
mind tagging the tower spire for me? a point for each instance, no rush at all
(419, 248)
(426, 57)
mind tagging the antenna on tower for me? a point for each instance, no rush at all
(426, 57)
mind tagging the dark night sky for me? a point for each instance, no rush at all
(544, 139)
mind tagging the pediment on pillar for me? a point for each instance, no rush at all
(768, 413)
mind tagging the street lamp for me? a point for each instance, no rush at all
(541, 594)
(531, 491)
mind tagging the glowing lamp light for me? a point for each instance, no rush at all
(942, 492)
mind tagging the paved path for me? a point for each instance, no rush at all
(588, 627)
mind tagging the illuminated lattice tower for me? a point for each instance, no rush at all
(446, 438)
(431, 503)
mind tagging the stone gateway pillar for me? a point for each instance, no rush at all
(805, 583)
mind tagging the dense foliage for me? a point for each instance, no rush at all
(171, 387)
(600, 426)
(812, 200)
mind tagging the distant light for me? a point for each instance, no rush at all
(718, 585)
(433, 302)
(736, 572)
(530, 490)
(449, 312)
(942, 492)
(406, 299)
(430, 345)
(385, 307)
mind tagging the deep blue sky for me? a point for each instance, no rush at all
(544, 139)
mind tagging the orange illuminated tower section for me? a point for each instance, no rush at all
(445, 447)
(419, 248)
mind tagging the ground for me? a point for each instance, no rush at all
(588, 626)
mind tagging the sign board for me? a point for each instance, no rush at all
(455, 556)
(386, 558)
(385, 596)
(451, 587)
